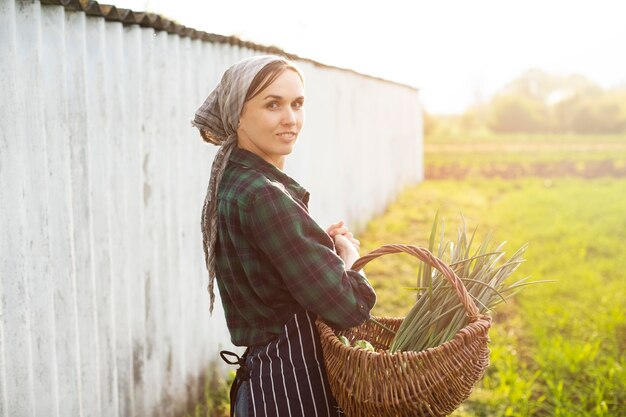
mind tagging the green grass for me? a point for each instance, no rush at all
(559, 348)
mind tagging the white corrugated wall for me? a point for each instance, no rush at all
(104, 310)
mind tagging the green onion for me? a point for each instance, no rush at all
(438, 315)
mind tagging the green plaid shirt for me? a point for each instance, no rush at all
(273, 259)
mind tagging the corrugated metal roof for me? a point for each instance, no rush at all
(152, 20)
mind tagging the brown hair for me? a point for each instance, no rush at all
(268, 74)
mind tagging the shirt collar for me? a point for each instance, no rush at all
(248, 159)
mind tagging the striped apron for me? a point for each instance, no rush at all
(287, 377)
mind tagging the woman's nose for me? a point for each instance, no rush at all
(289, 117)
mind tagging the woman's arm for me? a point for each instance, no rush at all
(302, 252)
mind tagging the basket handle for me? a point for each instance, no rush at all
(425, 255)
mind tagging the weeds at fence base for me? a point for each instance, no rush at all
(215, 401)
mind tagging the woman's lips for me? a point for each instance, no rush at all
(288, 136)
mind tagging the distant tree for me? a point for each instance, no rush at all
(617, 96)
(474, 118)
(588, 115)
(541, 86)
(597, 116)
(430, 123)
(515, 114)
(540, 102)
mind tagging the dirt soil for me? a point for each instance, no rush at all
(586, 169)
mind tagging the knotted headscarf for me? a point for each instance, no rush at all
(218, 119)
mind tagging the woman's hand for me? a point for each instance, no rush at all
(346, 250)
(339, 229)
(345, 243)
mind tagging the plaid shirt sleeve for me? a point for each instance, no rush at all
(302, 253)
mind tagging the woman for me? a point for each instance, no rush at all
(277, 270)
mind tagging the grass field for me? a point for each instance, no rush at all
(558, 349)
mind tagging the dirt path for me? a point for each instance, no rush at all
(525, 147)
(586, 169)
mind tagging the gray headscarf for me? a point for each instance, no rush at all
(218, 119)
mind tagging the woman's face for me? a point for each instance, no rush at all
(271, 121)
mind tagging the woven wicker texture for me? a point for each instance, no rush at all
(433, 382)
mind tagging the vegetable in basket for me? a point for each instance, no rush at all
(437, 314)
(363, 344)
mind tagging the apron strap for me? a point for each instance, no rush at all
(243, 374)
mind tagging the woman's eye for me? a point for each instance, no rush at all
(272, 105)
(298, 104)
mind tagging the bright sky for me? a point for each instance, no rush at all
(456, 52)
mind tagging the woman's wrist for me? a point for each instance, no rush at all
(350, 258)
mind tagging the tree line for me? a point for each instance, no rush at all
(538, 102)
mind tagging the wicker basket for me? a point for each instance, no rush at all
(433, 382)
